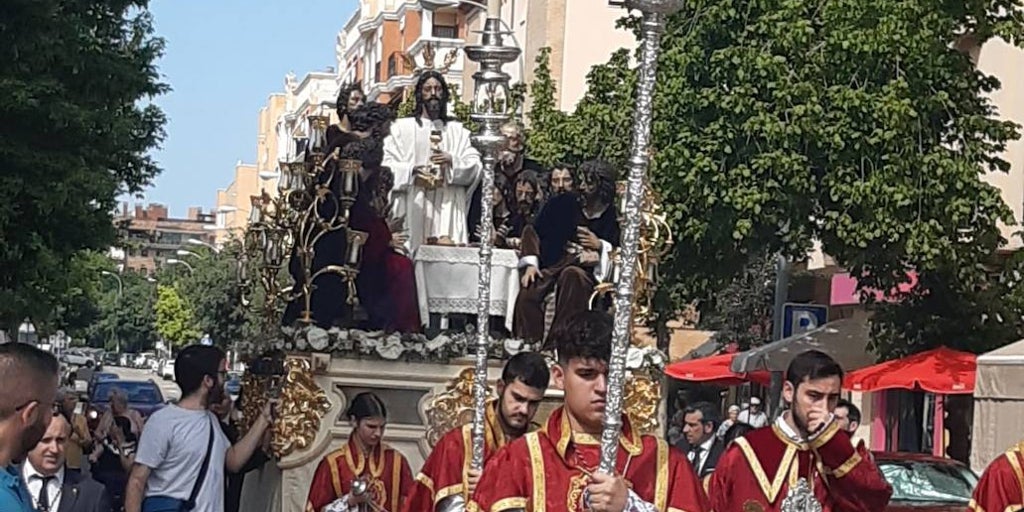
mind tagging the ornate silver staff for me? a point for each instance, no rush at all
(491, 102)
(654, 14)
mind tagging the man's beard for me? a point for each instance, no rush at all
(800, 421)
(515, 429)
(216, 395)
(525, 205)
(507, 158)
(433, 106)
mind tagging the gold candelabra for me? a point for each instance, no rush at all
(316, 193)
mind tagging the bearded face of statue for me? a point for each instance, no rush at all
(433, 97)
(516, 144)
(561, 181)
(596, 183)
(355, 100)
(526, 196)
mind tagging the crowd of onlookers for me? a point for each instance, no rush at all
(52, 461)
(700, 430)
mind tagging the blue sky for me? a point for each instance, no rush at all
(223, 58)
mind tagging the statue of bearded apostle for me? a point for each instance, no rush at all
(567, 251)
(436, 168)
(512, 162)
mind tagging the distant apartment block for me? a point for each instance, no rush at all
(151, 236)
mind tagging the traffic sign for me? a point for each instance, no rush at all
(800, 318)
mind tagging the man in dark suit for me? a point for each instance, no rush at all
(51, 487)
(702, 446)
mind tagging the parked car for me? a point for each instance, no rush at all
(167, 369)
(143, 396)
(101, 377)
(924, 483)
(111, 359)
(76, 358)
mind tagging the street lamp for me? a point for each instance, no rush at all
(173, 261)
(120, 299)
(208, 245)
(183, 252)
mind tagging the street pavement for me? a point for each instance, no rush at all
(167, 387)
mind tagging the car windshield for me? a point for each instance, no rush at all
(924, 481)
(137, 392)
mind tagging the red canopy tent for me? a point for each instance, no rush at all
(942, 371)
(715, 370)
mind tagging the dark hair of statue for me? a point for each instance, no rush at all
(853, 411)
(530, 368)
(709, 413)
(587, 335)
(737, 430)
(23, 369)
(366, 405)
(418, 95)
(812, 365)
(194, 363)
(344, 94)
(372, 118)
(601, 172)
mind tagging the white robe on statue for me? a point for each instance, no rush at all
(441, 211)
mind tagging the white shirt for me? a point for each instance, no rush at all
(173, 445)
(705, 449)
(33, 479)
(756, 420)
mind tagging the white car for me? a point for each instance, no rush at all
(167, 370)
(75, 358)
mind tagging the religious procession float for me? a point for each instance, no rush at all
(322, 276)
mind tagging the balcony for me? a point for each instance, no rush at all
(445, 32)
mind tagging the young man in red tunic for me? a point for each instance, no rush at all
(556, 469)
(804, 458)
(1001, 488)
(364, 457)
(446, 481)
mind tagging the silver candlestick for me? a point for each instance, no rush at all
(491, 102)
(654, 14)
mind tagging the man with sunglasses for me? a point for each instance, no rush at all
(28, 378)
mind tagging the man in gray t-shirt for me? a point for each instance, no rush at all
(173, 443)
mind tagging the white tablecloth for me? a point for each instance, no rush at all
(446, 281)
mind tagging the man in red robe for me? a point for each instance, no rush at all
(364, 457)
(1001, 488)
(446, 480)
(556, 468)
(805, 458)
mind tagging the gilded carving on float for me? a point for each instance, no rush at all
(452, 407)
(643, 397)
(302, 405)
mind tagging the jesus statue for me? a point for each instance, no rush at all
(436, 168)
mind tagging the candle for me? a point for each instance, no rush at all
(494, 9)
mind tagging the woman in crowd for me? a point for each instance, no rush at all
(116, 439)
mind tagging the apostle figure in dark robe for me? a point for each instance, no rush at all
(511, 163)
(567, 251)
(525, 200)
(386, 282)
(350, 98)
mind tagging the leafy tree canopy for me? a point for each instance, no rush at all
(77, 129)
(776, 123)
(175, 321)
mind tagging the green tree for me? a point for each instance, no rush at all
(458, 109)
(174, 318)
(548, 143)
(77, 130)
(741, 312)
(857, 124)
(212, 291)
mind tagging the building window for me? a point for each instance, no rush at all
(376, 72)
(392, 65)
(445, 32)
(145, 253)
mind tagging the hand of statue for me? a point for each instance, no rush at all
(607, 493)
(443, 159)
(587, 239)
(356, 500)
(472, 478)
(588, 258)
(398, 240)
(529, 275)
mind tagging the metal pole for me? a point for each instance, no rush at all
(654, 15)
(774, 405)
(490, 110)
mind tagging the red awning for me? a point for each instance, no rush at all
(943, 371)
(715, 370)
